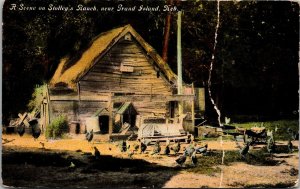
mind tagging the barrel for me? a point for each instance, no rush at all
(74, 127)
(92, 123)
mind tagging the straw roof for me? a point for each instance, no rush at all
(98, 47)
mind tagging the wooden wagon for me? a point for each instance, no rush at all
(255, 134)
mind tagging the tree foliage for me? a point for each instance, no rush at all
(256, 57)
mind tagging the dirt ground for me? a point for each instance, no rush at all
(70, 163)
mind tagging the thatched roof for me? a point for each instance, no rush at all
(69, 74)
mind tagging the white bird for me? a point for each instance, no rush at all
(72, 165)
(227, 120)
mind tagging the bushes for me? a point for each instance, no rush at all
(57, 127)
(36, 97)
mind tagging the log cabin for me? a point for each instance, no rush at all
(118, 78)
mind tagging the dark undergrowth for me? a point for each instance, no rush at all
(277, 185)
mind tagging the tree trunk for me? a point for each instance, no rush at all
(167, 34)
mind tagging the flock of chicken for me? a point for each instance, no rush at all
(190, 151)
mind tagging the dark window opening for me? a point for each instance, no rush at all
(103, 123)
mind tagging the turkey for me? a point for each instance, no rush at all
(194, 158)
(35, 129)
(21, 130)
(202, 150)
(89, 136)
(96, 153)
(271, 146)
(124, 146)
(290, 146)
(181, 160)
(143, 147)
(167, 150)
(245, 150)
(156, 149)
(136, 147)
(176, 148)
(189, 150)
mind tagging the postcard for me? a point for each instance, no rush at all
(150, 94)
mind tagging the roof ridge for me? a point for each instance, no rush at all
(99, 45)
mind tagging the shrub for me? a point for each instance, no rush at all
(57, 127)
(36, 97)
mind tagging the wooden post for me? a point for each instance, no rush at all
(110, 124)
(179, 62)
(167, 34)
(193, 106)
(48, 106)
(78, 104)
(43, 118)
(78, 90)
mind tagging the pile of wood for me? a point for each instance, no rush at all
(24, 119)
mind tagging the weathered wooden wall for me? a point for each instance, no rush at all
(75, 110)
(106, 77)
(65, 108)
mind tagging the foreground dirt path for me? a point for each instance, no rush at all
(237, 174)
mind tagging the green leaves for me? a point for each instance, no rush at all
(57, 127)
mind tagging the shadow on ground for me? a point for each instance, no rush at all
(26, 167)
(52, 169)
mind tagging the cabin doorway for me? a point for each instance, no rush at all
(173, 109)
(129, 118)
(104, 124)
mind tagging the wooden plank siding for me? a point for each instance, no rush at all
(65, 108)
(106, 74)
(106, 77)
(76, 110)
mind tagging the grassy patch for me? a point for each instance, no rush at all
(209, 164)
(282, 126)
